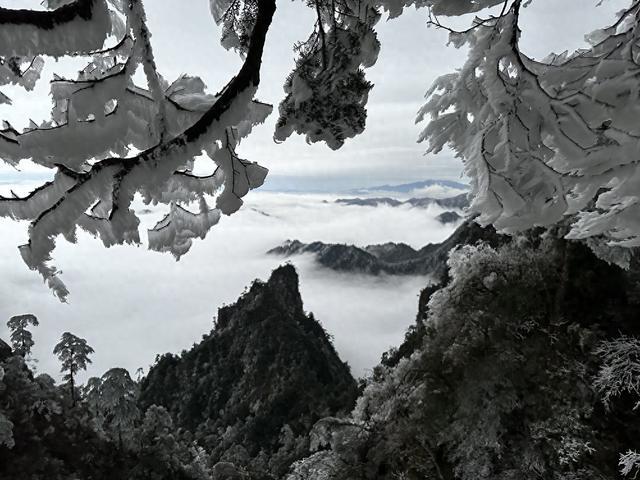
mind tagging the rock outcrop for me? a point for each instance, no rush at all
(251, 390)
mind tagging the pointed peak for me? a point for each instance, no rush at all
(285, 274)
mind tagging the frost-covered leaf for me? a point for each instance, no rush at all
(174, 233)
(620, 371)
(79, 27)
(543, 140)
(327, 92)
(629, 463)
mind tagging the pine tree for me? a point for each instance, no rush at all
(21, 338)
(74, 353)
(118, 402)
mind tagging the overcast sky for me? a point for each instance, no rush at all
(186, 40)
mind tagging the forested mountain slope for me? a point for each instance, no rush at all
(43, 436)
(253, 388)
(520, 367)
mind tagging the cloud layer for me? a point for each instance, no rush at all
(131, 304)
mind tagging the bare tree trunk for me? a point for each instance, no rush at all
(73, 389)
(564, 278)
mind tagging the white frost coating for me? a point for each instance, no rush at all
(88, 97)
(439, 7)
(240, 176)
(149, 174)
(543, 140)
(174, 233)
(114, 132)
(24, 72)
(185, 187)
(61, 220)
(138, 22)
(222, 11)
(77, 36)
(326, 94)
(99, 117)
(29, 207)
(110, 231)
(629, 463)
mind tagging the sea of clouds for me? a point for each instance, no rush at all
(132, 304)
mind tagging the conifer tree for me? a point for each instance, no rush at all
(74, 353)
(21, 338)
(118, 402)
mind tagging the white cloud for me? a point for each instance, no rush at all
(130, 303)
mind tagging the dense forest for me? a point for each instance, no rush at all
(522, 363)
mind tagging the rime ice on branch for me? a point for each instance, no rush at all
(549, 140)
(101, 116)
(543, 141)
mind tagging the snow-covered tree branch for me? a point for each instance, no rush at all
(102, 113)
(543, 141)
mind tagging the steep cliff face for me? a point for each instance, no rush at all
(253, 388)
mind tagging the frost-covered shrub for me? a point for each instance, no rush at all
(502, 386)
(109, 139)
(620, 371)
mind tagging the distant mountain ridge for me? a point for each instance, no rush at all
(391, 258)
(458, 201)
(295, 184)
(409, 187)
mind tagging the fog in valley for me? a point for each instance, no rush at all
(131, 303)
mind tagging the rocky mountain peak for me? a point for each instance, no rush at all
(259, 381)
(280, 292)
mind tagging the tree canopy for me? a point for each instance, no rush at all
(73, 352)
(21, 338)
(543, 141)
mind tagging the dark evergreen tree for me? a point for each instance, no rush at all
(73, 352)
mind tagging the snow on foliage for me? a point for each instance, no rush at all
(101, 117)
(78, 27)
(620, 372)
(630, 462)
(499, 384)
(438, 7)
(327, 91)
(545, 139)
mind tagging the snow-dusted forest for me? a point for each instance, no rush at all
(365, 318)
